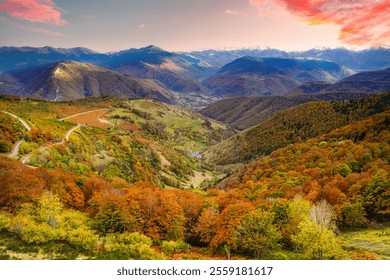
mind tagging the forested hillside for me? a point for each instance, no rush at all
(297, 124)
(247, 111)
(125, 179)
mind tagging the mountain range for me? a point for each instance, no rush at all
(364, 60)
(250, 76)
(188, 79)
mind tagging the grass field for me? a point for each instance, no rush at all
(374, 240)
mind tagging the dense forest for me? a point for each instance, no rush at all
(131, 183)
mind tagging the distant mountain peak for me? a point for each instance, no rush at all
(153, 47)
(70, 80)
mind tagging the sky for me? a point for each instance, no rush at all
(188, 25)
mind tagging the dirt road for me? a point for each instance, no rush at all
(19, 119)
(26, 158)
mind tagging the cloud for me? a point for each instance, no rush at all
(361, 22)
(141, 26)
(43, 11)
(33, 29)
(235, 12)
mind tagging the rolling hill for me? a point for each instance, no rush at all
(369, 81)
(309, 88)
(245, 112)
(21, 58)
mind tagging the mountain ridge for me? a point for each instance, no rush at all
(69, 80)
(243, 112)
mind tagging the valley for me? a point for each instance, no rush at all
(150, 154)
(104, 160)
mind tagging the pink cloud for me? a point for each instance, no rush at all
(361, 22)
(43, 11)
(235, 12)
(33, 29)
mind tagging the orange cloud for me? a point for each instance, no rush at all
(33, 10)
(362, 22)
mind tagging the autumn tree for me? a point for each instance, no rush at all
(317, 236)
(256, 234)
(192, 205)
(63, 184)
(206, 227)
(113, 213)
(18, 185)
(49, 208)
(227, 222)
(376, 196)
(297, 211)
(127, 246)
(162, 216)
(354, 215)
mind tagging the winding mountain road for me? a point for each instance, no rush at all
(70, 131)
(15, 149)
(82, 113)
(26, 158)
(19, 119)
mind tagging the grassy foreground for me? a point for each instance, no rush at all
(373, 240)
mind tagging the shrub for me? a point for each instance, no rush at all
(342, 169)
(83, 237)
(128, 246)
(5, 221)
(354, 215)
(4, 147)
(171, 247)
(30, 231)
